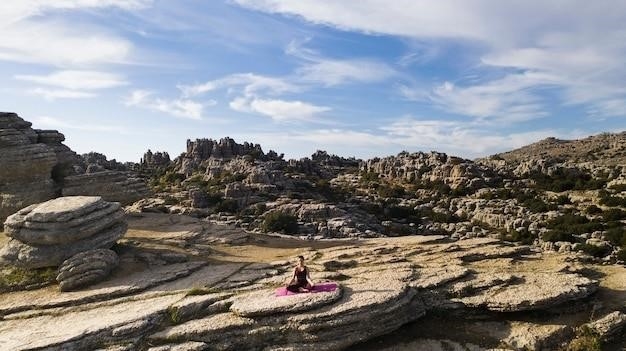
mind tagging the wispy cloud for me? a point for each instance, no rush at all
(319, 69)
(581, 49)
(75, 80)
(511, 98)
(54, 94)
(249, 83)
(183, 108)
(278, 110)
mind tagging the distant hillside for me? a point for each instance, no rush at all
(603, 149)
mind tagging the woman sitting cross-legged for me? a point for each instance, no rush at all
(301, 280)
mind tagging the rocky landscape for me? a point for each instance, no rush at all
(522, 250)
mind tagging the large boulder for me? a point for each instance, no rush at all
(46, 234)
(86, 268)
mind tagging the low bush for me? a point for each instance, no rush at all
(227, 205)
(595, 251)
(280, 222)
(613, 214)
(616, 236)
(557, 235)
(593, 210)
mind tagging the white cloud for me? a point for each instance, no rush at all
(506, 99)
(278, 110)
(183, 108)
(54, 94)
(329, 72)
(28, 35)
(71, 79)
(580, 44)
(249, 83)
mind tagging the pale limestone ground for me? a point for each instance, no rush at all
(379, 278)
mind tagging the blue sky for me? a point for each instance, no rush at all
(356, 78)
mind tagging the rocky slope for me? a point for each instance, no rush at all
(559, 195)
(37, 166)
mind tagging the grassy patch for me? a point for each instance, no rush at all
(586, 340)
(15, 278)
(199, 291)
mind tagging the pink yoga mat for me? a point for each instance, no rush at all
(324, 287)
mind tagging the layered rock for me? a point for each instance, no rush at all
(36, 165)
(86, 268)
(111, 185)
(25, 175)
(46, 234)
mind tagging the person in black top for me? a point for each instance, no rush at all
(301, 280)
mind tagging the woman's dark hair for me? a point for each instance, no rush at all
(301, 257)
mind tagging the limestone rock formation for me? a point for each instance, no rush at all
(86, 268)
(46, 234)
(204, 149)
(431, 167)
(37, 166)
(111, 185)
(154, 160)
(25, 174)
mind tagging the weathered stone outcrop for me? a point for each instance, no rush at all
(37, 166)
(27, 164)
(154, 160)
(201, 150)
(46, 234)
(431, 167)
(86, 268)
(115, 186)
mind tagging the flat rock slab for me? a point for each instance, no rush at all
(533, 291)
(50, 233)
(437, 276)
(56, 330)
(155, 278)
(62, 209)
(266, 303)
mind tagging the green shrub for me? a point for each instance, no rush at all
(593, 209)
(613, 214)
(557, 235)
(367, 177)
(227, 205)
(537, 205)
(621, 255)
(564, 179)
(390, 191)
(574, 224)
(562, 200)
(608, 200)
(618, 187)
(593, 250)
(280, 222)
(616, 236)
